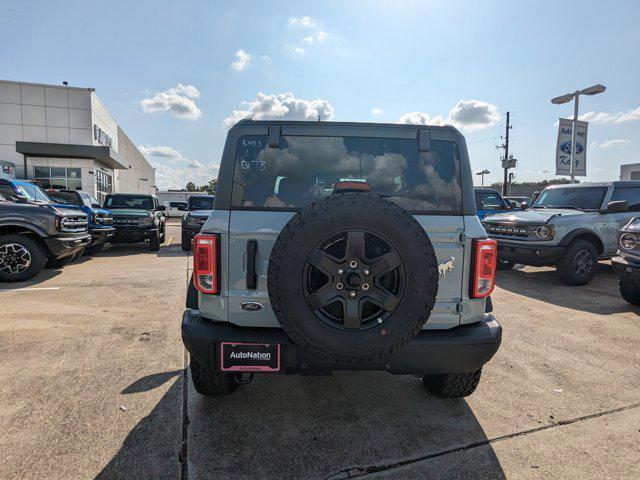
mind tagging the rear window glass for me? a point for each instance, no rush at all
(201, 203)
(129, 201)
(68, 198)
(305, 168)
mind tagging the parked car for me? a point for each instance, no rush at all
(489, 201)
(569, 227)
(137, 218)
(316, 258)
(198, 208)
(100, 220)
(627, 263)
(14, 189)
(35, 234)
(519, 202)
(176, 209)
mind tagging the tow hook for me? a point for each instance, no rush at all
(242, 380)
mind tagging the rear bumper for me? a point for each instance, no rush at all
(535, 255)
(463, 349)
(64, 246)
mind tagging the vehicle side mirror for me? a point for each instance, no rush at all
(524, 205)
(182, 208)
(21, 199)
(161, 208)
(618, 206)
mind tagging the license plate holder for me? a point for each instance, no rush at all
(249, 357)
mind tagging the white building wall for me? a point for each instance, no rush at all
(58, 114)
(630, 171)
(101, 117)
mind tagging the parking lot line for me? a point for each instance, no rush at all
(28, 289)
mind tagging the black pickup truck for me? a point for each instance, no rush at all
(35, 234)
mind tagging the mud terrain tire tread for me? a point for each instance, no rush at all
(452, 385)
(211, 382)
(629, 291)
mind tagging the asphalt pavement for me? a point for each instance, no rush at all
(93, 387)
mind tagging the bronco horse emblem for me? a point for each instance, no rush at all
(446, 267)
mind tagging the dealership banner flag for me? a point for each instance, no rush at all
(563, 148)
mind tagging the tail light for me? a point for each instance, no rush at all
(484, 272)
(206, 258)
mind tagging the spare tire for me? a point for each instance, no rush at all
(352, 277)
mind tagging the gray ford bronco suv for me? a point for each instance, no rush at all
(34, 234)
(568, 226)
(342, 246)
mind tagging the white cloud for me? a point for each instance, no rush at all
(178, 100)
(377, 111)
(616, 142)
(321, 36)
(600, 118)
(283, 106)
(305, 21)
(471, 115)
(294, 50)
(266, 58)
(421, 118)
(243, 59)
(174, 170)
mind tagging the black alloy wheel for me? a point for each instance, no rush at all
(353, 280)
(583, 262)
(14, 258)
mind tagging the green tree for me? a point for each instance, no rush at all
(191, 187)
(210, 188)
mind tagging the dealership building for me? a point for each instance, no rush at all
(64, 137)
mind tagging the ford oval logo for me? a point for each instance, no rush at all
(251, 306)
(566, 148)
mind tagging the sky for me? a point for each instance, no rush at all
(176, 75)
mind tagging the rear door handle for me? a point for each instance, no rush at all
(252, 278)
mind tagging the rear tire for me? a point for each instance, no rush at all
(579, 263)
(629, 290)
(186, 243)
(154, 242)
(505, 264)
(452, 385)
(35, 253)
(211, 381)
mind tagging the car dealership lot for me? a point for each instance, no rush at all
(93, 371)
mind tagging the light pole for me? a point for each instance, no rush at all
(482, 174)
(567, 97)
